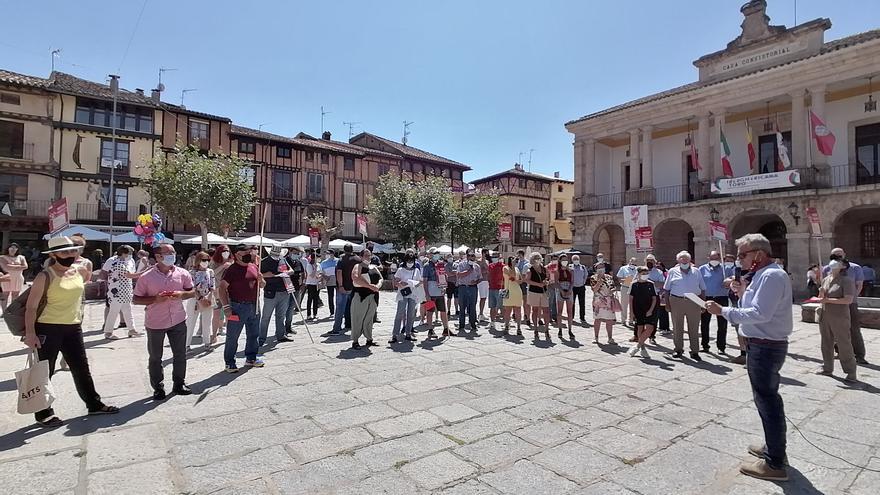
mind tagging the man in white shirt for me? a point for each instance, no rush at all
(627, 275)
(682, 279)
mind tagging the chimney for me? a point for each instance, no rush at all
(155, 96)
(555, 175)
(139, 91)
(326, 136)
(517, 166)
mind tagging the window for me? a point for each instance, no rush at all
(122, 154)
(121, 194)
(522, 204)
(539, 186)
(523, 183)
(871, 240)
(247, 147)
(349, 163)
(526, 231)
(282, 184)
(417, 168)
(325, 158)
(10, 99)
(868, 154)
(349, 220)
(559, 212)
(349, 194)
(537, 206)
(199, 132)
(429, 170)
(283, 152)
(280, 218)
(11, 139)
(129, 118)
(383, 169)
(768, 152)
(444, 172)
(13, 188)
(310, 156)
(316, 186)
(407, 166)
(559, 187)
(249, 175)
(456, 174)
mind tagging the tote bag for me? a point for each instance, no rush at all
(34, 388)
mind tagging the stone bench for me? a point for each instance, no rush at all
(869, 312)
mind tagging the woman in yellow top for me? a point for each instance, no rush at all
(57, 326)
(512, 296)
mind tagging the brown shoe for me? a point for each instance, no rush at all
(739, 360)
(761, 470)
(758, 450)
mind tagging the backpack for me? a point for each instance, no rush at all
(14, 314)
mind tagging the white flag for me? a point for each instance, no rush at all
(783, 162)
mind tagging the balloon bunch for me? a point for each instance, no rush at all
(148, 229)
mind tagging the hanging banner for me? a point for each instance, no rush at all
(813, 217)
(644, 239)
(314, 237)
(421, 244)
(634, 217)
(58, 217)
(504, 231)
(362, 224)
(718, 231)
(774, 180)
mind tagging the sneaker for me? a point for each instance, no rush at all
(822, 371)
(492, 326)
(696, 356)
(393, 340)
(675, 355)
(283, 339)
(256, 363)
(355, 345)
(741, 359)
(595, 341)
(645, 353)
(410, 338)
(653, 341)
(431, 334)
(231, 368)
(761, 470)
(110, 336)
(135, 333)
(370, 343)
(633, 351)
(612, 342)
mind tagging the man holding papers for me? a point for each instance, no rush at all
(682, 279)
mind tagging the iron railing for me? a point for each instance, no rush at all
(27, 208)
(91, 212)
(25, 152)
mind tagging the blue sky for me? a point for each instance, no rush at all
(482, 80)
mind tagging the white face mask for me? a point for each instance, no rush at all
(203, 265)
(729, 264)
(225, 255)
(600, 259)
(632, 265)
(714, 262)
(577, 262)
(563, 263)
(684, 266)
(643, 277)
(600, 271)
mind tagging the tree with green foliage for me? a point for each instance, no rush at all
(475, 222)
(213, 191)
(322, 223)
(407, 211)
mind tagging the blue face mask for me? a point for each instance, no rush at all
(436, 257)
(169, 259)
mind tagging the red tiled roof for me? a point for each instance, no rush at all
(68, 84)
(306, 141)
(515, 172)
(14, 78)
(179, 109)
(410, 152)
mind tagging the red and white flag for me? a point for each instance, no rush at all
(362, 224)
(695, 159)
(782, 160)
(824, 137)
(751, 146)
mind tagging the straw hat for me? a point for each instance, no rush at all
(61, 243)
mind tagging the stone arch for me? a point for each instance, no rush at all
(857, 231)
(671, 236)
(609, 239)
(761, 221)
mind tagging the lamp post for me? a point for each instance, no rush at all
(714, 214)
(793, 209)
(114, 87)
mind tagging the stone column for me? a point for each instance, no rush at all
(589, 154)
(800, 247)
(579, 172)
(817, 95)
(703, 146)
(634, 172)
(717, 168)
(799, 136)
(647, 158)
(702, 246)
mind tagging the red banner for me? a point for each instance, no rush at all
(362, 224)
(813, 217)
(718, 231)
(58, 217)
(505, 230)
(421, 244)
(644, 239)
(314, 237)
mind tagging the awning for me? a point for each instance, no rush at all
(87, 233)
(213, 239)
(563, 230)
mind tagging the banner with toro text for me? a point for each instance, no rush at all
(634, 217)
(774, 180)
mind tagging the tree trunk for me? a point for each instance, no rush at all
(204, 229)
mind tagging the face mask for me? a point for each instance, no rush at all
(729, 264)
(714, 262)
(600, 259)
(577, 263)
(563, 263)
(123, 257)
(436, 257)
(643, 277)
(294, 256)
(225, 255)
(835, 266)
(203, 265)
(247, 258)
(600, 271)
(449, 260)
(65, 261)
(275, 257)
(737, 264)
(684, 266)
(632, 265)
(410, 264)
(649, 264)
(168, 259)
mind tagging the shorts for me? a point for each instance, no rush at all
(641, 319)
(495, 301)
(538, 300)
(439, 303)
(451, 289)
(483, 289)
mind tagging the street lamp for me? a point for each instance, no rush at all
(714, 214)
(793, 211)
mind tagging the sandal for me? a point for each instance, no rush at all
(51, 422)
(104, 410)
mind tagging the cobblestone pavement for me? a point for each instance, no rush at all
(480, 413)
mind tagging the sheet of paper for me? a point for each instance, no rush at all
(695, 299)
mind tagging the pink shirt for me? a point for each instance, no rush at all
(164, 315)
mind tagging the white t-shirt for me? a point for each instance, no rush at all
(410, 276)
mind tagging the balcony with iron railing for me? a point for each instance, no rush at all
(90, 212)
(27, 208)
(528, 238)
(827, 178)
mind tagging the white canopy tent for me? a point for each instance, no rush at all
(255, 240)
(131, 238)
(461, 248)
(213, 239)
(301, 241)
(88, 234)
(444, 249)
(384, 248)
(339, 244)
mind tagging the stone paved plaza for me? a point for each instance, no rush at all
(477, 414)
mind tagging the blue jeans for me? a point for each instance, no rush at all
(276, 304)
(247, 316)
(467, 303)
(764, 363)
(341, 308)
(551, 300)
(406, 313)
